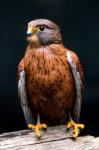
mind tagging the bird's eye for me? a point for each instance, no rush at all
(41, 28)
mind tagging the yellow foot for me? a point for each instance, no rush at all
(75, 126)
(37, 128)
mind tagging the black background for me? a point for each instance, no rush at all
(79, 23)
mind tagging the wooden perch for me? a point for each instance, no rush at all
(55, 138)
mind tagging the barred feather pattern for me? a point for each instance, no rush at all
(49, 81)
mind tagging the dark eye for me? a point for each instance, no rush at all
(41, 28)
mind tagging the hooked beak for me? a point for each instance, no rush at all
(31, 31)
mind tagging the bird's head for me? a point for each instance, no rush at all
(43, 32)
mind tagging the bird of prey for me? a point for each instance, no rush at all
(50, 79)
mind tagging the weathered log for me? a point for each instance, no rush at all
(55, 138)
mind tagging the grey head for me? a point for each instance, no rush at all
(43, 32)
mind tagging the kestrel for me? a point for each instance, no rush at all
(50, 80)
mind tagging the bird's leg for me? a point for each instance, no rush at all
(25, 106)
(76, 127)
(37, 127)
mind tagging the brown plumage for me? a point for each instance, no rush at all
(50, 83)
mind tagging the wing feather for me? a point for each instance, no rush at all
(23, 98)
(77, 72)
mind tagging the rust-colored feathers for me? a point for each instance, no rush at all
(49, 81)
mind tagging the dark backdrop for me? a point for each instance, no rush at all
(79, 21)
